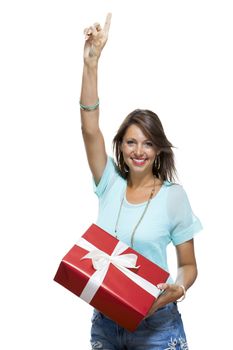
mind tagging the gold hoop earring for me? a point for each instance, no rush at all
(126, 168)
(157, 162)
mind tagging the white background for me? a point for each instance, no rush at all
(174, 57)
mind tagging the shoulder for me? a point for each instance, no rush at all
(175, 191)
(111, 164)
(113, 176)
(109, 177)
(173, 187)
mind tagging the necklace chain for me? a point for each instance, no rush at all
(139, 221)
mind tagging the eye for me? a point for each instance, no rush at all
(130, 142)
(149, 144)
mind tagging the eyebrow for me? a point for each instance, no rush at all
(132, 138)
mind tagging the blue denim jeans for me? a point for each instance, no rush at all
(161, 331)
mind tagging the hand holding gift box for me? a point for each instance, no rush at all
(112, 277)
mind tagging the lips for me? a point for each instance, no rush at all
(139, 161)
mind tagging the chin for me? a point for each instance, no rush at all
(141, 168)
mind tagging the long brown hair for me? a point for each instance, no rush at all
(151, 126)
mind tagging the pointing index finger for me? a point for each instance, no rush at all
(107, 23)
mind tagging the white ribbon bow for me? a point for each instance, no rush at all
(101, 262)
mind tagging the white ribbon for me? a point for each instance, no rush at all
(101, 262)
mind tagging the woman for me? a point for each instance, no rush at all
(139, 204)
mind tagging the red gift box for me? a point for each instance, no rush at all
(101, 270)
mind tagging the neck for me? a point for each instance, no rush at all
(138, 180)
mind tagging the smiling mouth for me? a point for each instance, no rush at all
(138, 161)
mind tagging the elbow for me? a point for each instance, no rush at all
(89, 131)
(195, 273)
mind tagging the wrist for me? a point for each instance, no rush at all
(183, 293)
(91, 63)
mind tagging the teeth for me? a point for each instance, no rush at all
(139, 160)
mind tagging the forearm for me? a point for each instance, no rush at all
(89, 88)
(89, 97)
(186, 275)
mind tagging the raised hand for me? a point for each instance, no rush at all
(95, 40)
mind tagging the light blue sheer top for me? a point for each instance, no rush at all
(169, 217)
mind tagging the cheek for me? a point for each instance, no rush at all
(126, 150)
(151, 153)
(126, 154)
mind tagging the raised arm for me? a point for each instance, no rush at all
(95, 40)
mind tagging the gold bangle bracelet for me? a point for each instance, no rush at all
(184, 294)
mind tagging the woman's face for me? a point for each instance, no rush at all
(138, 151)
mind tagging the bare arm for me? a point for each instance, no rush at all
(186, 276)
(96, 38)
(187, 268)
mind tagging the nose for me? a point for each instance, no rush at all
(139, 150)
